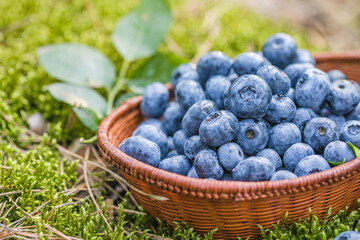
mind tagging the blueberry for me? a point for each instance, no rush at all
(312, 88)
(337, 152)
(155, 98)
(302, 117)
(277, 80)
(178, 164)
(151, 121)
(350, 132)
(339, 120)
(357, 86)
(230, 154)
(248, 97)
(280, 49)
(218, 128)
(227, 176)
(249, 63)
(195, 115)
(188, 92)
(319, 132)
(311, 164)
(170, 143)
(280, 110)
(213, 63)
(348, 235)
(295, 70)
(335, 75)
(155, 122)
(155, 135)
(303, 56)
(207, 165)
(141, 149)
(295, 153)
(172, 118)
(179, 139)
(172, 153)
(283, 174)
(193, 145)
(254, 169)
(272, 155)
(355, 114)
(192, 173)
(291, 94)
(232, 76)
(253, 135)
(324, 112)
(267, 124)
(215, 88)
(282, 136)
(343, 97)
(182, 72)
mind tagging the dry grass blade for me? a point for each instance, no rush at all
(96, 155)
(23, 218)
(211, 23)
(153, 236)
(48, 227)
(17, 192)
(13, 231)
(9, 210)
(130, 211)
(90, 191)
(64, 150)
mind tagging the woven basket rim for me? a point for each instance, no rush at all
(261, 189)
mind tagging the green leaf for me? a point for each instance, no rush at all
(78, 96)
(88, 117)
(77, 64)
(139, 33)
(157, 68)
(123, 97)
(355, 149)
(333, 164)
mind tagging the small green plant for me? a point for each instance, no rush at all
(82, 69)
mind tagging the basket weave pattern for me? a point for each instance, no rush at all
(235, 208)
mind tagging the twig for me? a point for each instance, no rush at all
(89, 189)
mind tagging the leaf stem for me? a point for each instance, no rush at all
(90, 140)
(119, 83)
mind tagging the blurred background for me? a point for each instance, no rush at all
(334, 24)
(198, 26)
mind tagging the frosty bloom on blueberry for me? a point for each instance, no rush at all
(154, 101)
(260, 117)
(248, 97)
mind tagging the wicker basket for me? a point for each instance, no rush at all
(235, 208)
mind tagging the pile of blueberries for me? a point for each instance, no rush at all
(267, 115)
